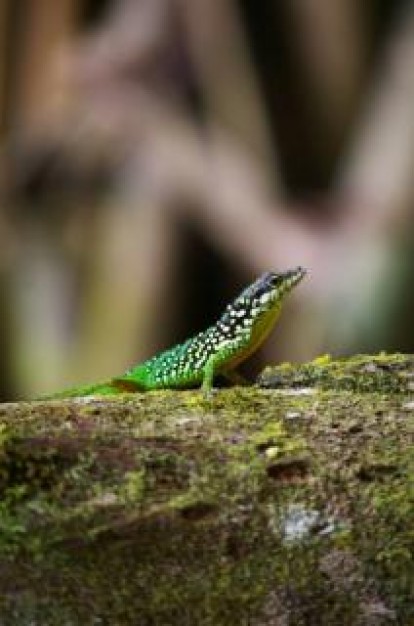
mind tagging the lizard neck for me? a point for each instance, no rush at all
(259, 333)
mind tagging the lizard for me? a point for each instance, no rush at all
(241, 329)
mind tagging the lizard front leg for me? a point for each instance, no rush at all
(217, 364)
(209, 370)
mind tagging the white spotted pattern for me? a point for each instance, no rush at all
(183, 365)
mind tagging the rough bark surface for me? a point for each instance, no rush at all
(286, 503)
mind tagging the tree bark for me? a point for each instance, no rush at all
(290, 502)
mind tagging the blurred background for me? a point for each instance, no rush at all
(158, 155)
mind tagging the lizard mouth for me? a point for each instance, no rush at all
(288, 280)
(295, 276)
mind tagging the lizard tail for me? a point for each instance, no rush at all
(105, 388)
(109, 387)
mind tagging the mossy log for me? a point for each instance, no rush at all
(290, 502)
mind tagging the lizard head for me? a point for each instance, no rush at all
(254, 312)
(270, 289)
(256, 309)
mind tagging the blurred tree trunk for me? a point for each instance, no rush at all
(330, 45)
(224, 68)
(376, 183)
(43, 30)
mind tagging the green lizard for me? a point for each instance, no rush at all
(241, 329)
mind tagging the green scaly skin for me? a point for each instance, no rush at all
(238, 333)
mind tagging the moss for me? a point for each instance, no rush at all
(385, 373)
(275, 437)
(134, 486)
(166, 508)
